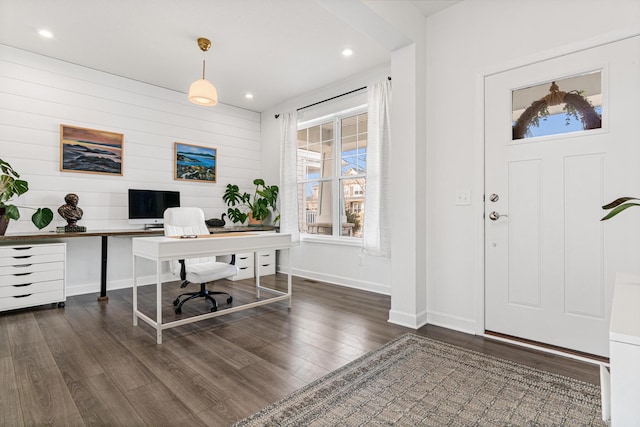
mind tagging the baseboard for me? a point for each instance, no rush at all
(407, 320)
(457, 323)
(112, 285)
(339, 280)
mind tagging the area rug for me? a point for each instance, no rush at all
(416, 381)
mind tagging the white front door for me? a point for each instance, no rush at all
(550, 261)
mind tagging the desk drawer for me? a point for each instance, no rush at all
(31, 288)
(244, 273)
(267, 262)
(20, 259)
(24, 268)
(244, 260)
(28, 250)
(267, 269)
(31, 300)
(39, 276)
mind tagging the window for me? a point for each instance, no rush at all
(570, 104)
(332, 171)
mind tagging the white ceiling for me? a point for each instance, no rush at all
(274, 49)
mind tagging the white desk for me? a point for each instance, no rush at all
(624, 352)
(161, 249)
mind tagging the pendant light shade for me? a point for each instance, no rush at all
(202, 92)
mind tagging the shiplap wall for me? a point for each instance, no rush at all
(38, 93)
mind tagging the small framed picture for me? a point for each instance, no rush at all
(195, 163)
(90, 150)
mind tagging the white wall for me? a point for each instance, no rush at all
(465, 42)
(38, 93)
(342, 264)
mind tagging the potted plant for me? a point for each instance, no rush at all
(256, 207)
(11, 185)
(617, 206)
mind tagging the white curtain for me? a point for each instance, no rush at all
(288, 180)
(376, 234)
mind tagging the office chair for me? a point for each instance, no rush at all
(190, 221)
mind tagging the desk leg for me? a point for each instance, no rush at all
(103, 271)
(135, 293)
(256, 263)
(289, 287)
(158, 303)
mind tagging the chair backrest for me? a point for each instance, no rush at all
(185, 221)
(181, 221)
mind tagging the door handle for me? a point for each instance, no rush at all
(494, 216)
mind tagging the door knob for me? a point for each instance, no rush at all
(494, 216)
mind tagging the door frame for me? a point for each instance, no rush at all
(480, 142)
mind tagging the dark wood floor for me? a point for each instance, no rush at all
(87, 365)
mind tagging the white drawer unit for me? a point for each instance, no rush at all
(266, 262)
(32, 274)
(244, 262)
(247, 263)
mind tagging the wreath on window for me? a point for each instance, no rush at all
(576, 106)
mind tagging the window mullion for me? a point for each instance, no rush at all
(337, 197)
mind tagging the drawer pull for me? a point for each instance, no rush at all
(243, 257)
(243, 268)
(22, 296)
(24, 248)
(22, 265)
(22, 256)
(21, 285)
(22, 274)
(266, 265)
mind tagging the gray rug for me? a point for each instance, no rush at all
(416, 381)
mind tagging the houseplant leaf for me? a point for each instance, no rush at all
(12, 212)
(618, 202)
(42, 217)
(619, 208)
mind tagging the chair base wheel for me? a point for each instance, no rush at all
(229, 300)
(178, 310)
(214, 309)
(176, 301)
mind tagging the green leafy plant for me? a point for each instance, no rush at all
(11, 185)
(241, 204)
(353, 218)
(617, 206)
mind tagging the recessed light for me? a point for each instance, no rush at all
(248, 95)
(347, 52)
(45, 33)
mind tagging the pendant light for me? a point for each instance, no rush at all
(202, 92)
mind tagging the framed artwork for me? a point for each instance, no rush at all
(195, 163)
(90, 151)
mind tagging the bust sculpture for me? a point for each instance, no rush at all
(72, 213)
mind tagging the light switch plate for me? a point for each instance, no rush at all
(463, 197)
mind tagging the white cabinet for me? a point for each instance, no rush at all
(244, 262)
(265, 263)
(247, 262)
(32, 274)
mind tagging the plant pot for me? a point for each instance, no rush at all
(4, 221)
(254, 222)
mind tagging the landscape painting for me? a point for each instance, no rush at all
(195, 163)
(90, 151)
